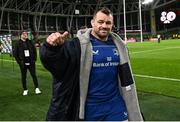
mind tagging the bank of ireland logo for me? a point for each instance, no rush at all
(167, 17)
(109, 58)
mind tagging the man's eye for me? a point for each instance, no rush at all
(100, 22)
(108, 23)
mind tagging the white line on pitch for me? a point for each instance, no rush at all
(155, 77)
(137, 75)
(153, 50)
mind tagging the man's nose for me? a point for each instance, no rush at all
(104, 25)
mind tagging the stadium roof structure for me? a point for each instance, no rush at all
(66, 7)
(55, 15)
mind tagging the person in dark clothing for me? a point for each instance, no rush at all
(159, 38)
(25, 55)
(92, 78)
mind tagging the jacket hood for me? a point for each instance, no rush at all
(83, 35)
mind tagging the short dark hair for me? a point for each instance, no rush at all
(104, 10)
(23, 32)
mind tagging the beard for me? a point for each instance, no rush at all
(103, 33)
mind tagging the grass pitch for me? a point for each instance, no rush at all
(156, 71)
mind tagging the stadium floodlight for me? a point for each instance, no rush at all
(76, 11)
(147, 2)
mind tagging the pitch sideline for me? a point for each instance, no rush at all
(156, 77)
(153, 50)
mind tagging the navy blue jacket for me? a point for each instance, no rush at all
(64, 64)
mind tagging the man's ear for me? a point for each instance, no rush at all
(92, 22)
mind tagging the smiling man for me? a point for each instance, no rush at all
(92, 78)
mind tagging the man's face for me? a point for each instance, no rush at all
(102, 25)
(23, 35)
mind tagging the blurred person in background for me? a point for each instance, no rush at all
(26, 55)
(159, 38)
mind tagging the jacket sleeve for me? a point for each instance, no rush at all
(34, 51)
(54, 59)
(15, 52)
(32, 48)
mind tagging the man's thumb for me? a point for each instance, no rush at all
(65, 34)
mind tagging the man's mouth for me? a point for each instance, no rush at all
(103, 31)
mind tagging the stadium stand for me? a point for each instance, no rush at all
(42, 17)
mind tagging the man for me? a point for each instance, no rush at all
(159, 38)
(25, 55)
(92, 79)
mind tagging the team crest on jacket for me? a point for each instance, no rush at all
(115, 52)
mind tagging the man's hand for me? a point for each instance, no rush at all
(56, 38)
